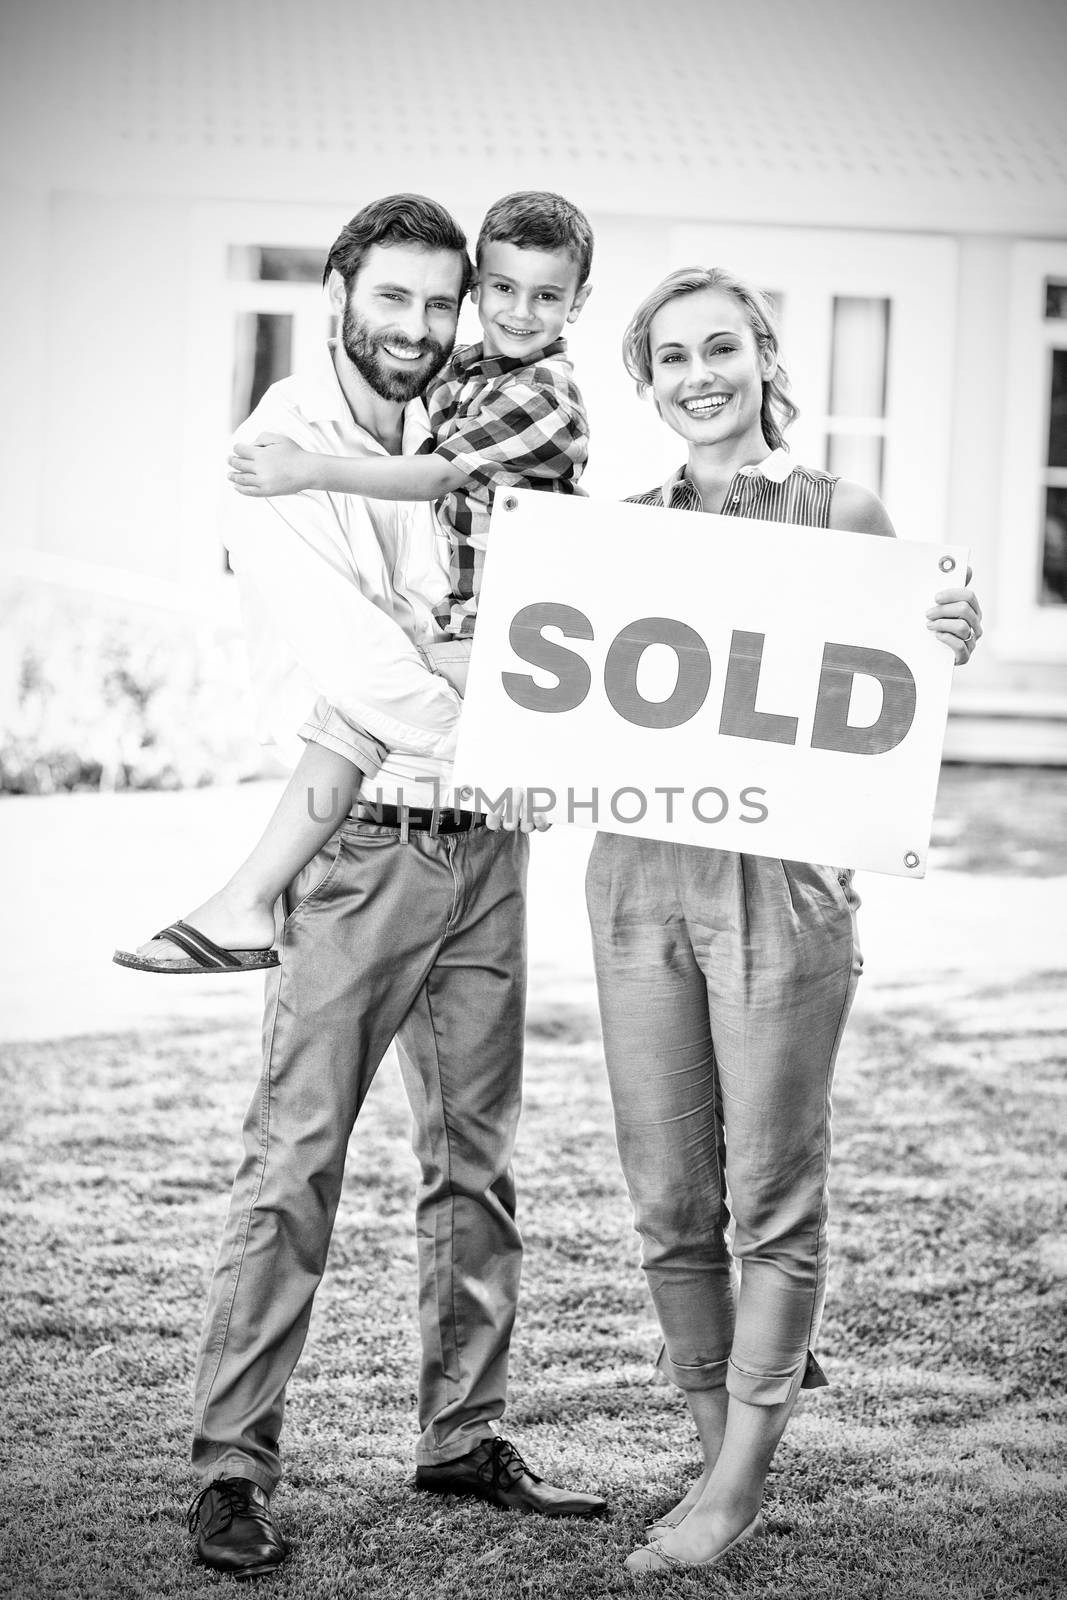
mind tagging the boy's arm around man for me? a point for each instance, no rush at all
(323, 595)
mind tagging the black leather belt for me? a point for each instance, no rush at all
(421, 818)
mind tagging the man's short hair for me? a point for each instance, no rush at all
(397, 219)
(537, 219)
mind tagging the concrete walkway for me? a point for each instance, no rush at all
(85, 873)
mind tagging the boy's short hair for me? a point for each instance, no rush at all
(397, 219)
(537, 219)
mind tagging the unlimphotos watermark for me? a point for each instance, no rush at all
(629, 805)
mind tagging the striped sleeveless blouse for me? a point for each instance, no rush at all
(773, 491)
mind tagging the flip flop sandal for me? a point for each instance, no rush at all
(205, 955)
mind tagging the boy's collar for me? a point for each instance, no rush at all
(472, 355)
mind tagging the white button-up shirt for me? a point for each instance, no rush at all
(337, 591)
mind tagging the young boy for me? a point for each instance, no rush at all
(504, 413)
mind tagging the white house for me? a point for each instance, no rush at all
(174, 170)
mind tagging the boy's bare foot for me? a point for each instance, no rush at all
(224, 919)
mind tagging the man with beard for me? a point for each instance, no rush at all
(410, 923)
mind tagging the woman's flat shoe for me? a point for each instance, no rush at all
(653, 1558)
(661, 1524)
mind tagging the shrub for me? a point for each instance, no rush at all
(95, 694)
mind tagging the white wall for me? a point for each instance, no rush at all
(113, 347)
(28, 279)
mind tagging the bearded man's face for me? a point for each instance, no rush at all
(399, 322)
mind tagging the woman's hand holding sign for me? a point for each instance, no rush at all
(956, 618)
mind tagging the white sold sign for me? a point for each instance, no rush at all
(717, 681)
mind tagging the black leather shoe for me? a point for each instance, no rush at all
(235, 1530)
(496, 1472)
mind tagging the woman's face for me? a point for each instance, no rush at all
(707, 373)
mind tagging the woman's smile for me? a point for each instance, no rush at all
(705, 405)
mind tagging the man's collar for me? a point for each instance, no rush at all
(323, 400)
(470, 356)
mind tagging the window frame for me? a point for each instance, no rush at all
(1028, 630)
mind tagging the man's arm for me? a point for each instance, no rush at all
(274, 465)
(294, 564)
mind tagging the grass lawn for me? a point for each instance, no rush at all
(932, 1468)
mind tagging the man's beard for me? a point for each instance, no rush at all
(361, 346)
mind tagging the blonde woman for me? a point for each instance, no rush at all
(725, 980)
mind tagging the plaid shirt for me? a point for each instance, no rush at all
(507, 423)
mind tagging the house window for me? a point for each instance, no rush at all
(263, 353)
(278, 320)
(1056, 299)
(856, 410)
(1032, 620)
(860, 340)
(1053, 585)
(273, 263)
(277, 316)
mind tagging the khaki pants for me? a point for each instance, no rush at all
(424, 940)
(725, 981)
